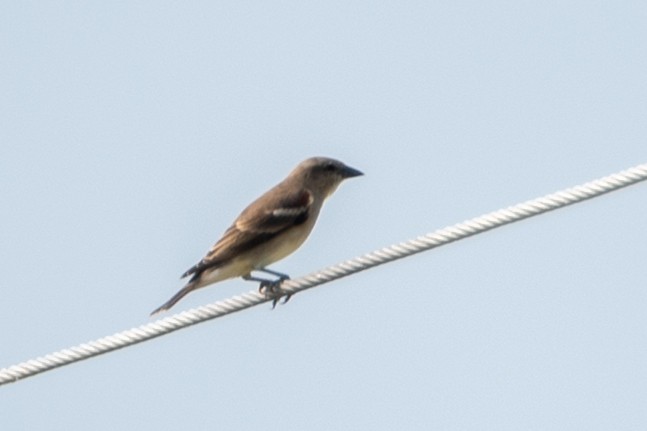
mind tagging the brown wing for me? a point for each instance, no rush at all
(268, 216)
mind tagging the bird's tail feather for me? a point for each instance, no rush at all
(175, 298)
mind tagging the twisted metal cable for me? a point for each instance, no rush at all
(388, 254)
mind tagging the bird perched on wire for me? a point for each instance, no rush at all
(269, 229)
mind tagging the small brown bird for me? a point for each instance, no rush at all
(269, 229)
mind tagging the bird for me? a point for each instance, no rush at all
(269, 229)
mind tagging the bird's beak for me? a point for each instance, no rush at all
(349, 172)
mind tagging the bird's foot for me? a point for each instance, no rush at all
(272, 289)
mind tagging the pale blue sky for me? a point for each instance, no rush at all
(132, 134)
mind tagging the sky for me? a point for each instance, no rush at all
(133, 133)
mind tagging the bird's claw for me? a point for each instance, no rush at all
(272, 289)
(276, 299)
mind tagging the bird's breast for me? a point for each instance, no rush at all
(283, 245)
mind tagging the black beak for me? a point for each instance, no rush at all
(349, 172)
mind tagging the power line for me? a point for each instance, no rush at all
(388, 254)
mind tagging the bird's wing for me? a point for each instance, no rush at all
(264, 219)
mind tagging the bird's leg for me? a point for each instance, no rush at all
(271, 288)
(263, 281)
(274, 286)
(266, 285)
(280, 275)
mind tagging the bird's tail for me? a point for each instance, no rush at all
(181, 294)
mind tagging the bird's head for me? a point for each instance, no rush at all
(322, 175)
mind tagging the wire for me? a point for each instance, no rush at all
(388, 254)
